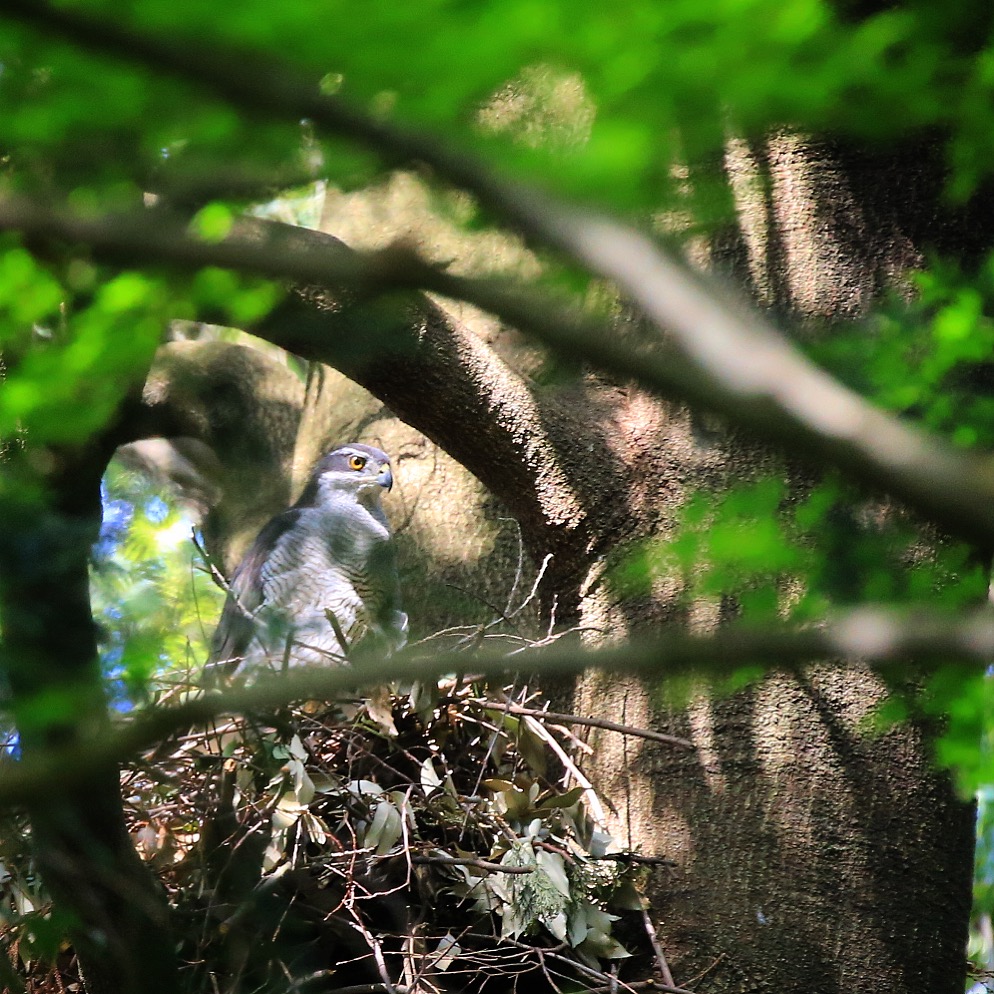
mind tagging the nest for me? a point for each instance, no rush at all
(439, 839)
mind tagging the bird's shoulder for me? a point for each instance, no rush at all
(276, 529)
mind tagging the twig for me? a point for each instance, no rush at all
(552, 637)
(596, 808)
(518, 568)
(633, 857)
(575, 743)
(216, 575)
(478, 864)
(534, 590)
(478, 633)
(357, 923)
(611, 726)
(581, 967)
(545, 971)
(700, 976)
(353, 989)
(664, 968)
(635, 985)
(486, 758)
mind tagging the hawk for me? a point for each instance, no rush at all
(320, 576)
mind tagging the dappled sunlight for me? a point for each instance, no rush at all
(673, 324)
(404, 208)
(701, 718)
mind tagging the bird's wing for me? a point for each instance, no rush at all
(237, 625)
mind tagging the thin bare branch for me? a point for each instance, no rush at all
(664, 967)
(476, 864)
(611, 726)
(572, 770)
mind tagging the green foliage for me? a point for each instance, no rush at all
(153, 596)
(661, 84)
(75, 339)
(766, 554)
(605, 102)
(930, 358)
(69, 366)
(981, 947)
(763, 553)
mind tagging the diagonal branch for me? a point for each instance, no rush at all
(740, 369)
(891, 641)
(733, 362)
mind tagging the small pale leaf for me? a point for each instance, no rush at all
(430, 780)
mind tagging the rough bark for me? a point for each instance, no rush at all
(809, 855)
(587, 467)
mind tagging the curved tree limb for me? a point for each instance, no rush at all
(734, 364)
(730, 362)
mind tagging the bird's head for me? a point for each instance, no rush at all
(357, 469)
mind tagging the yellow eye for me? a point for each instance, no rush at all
(357, 462)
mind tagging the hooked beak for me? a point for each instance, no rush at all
(385, 478)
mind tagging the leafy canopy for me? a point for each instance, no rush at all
(662, 83)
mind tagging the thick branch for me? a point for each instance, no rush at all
(741, 368)
(736, 365)
(730, 362)
(438, 377)
(890, 641)
(444, 381)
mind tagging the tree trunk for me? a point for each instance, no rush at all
(809, 855)
(119, 917)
